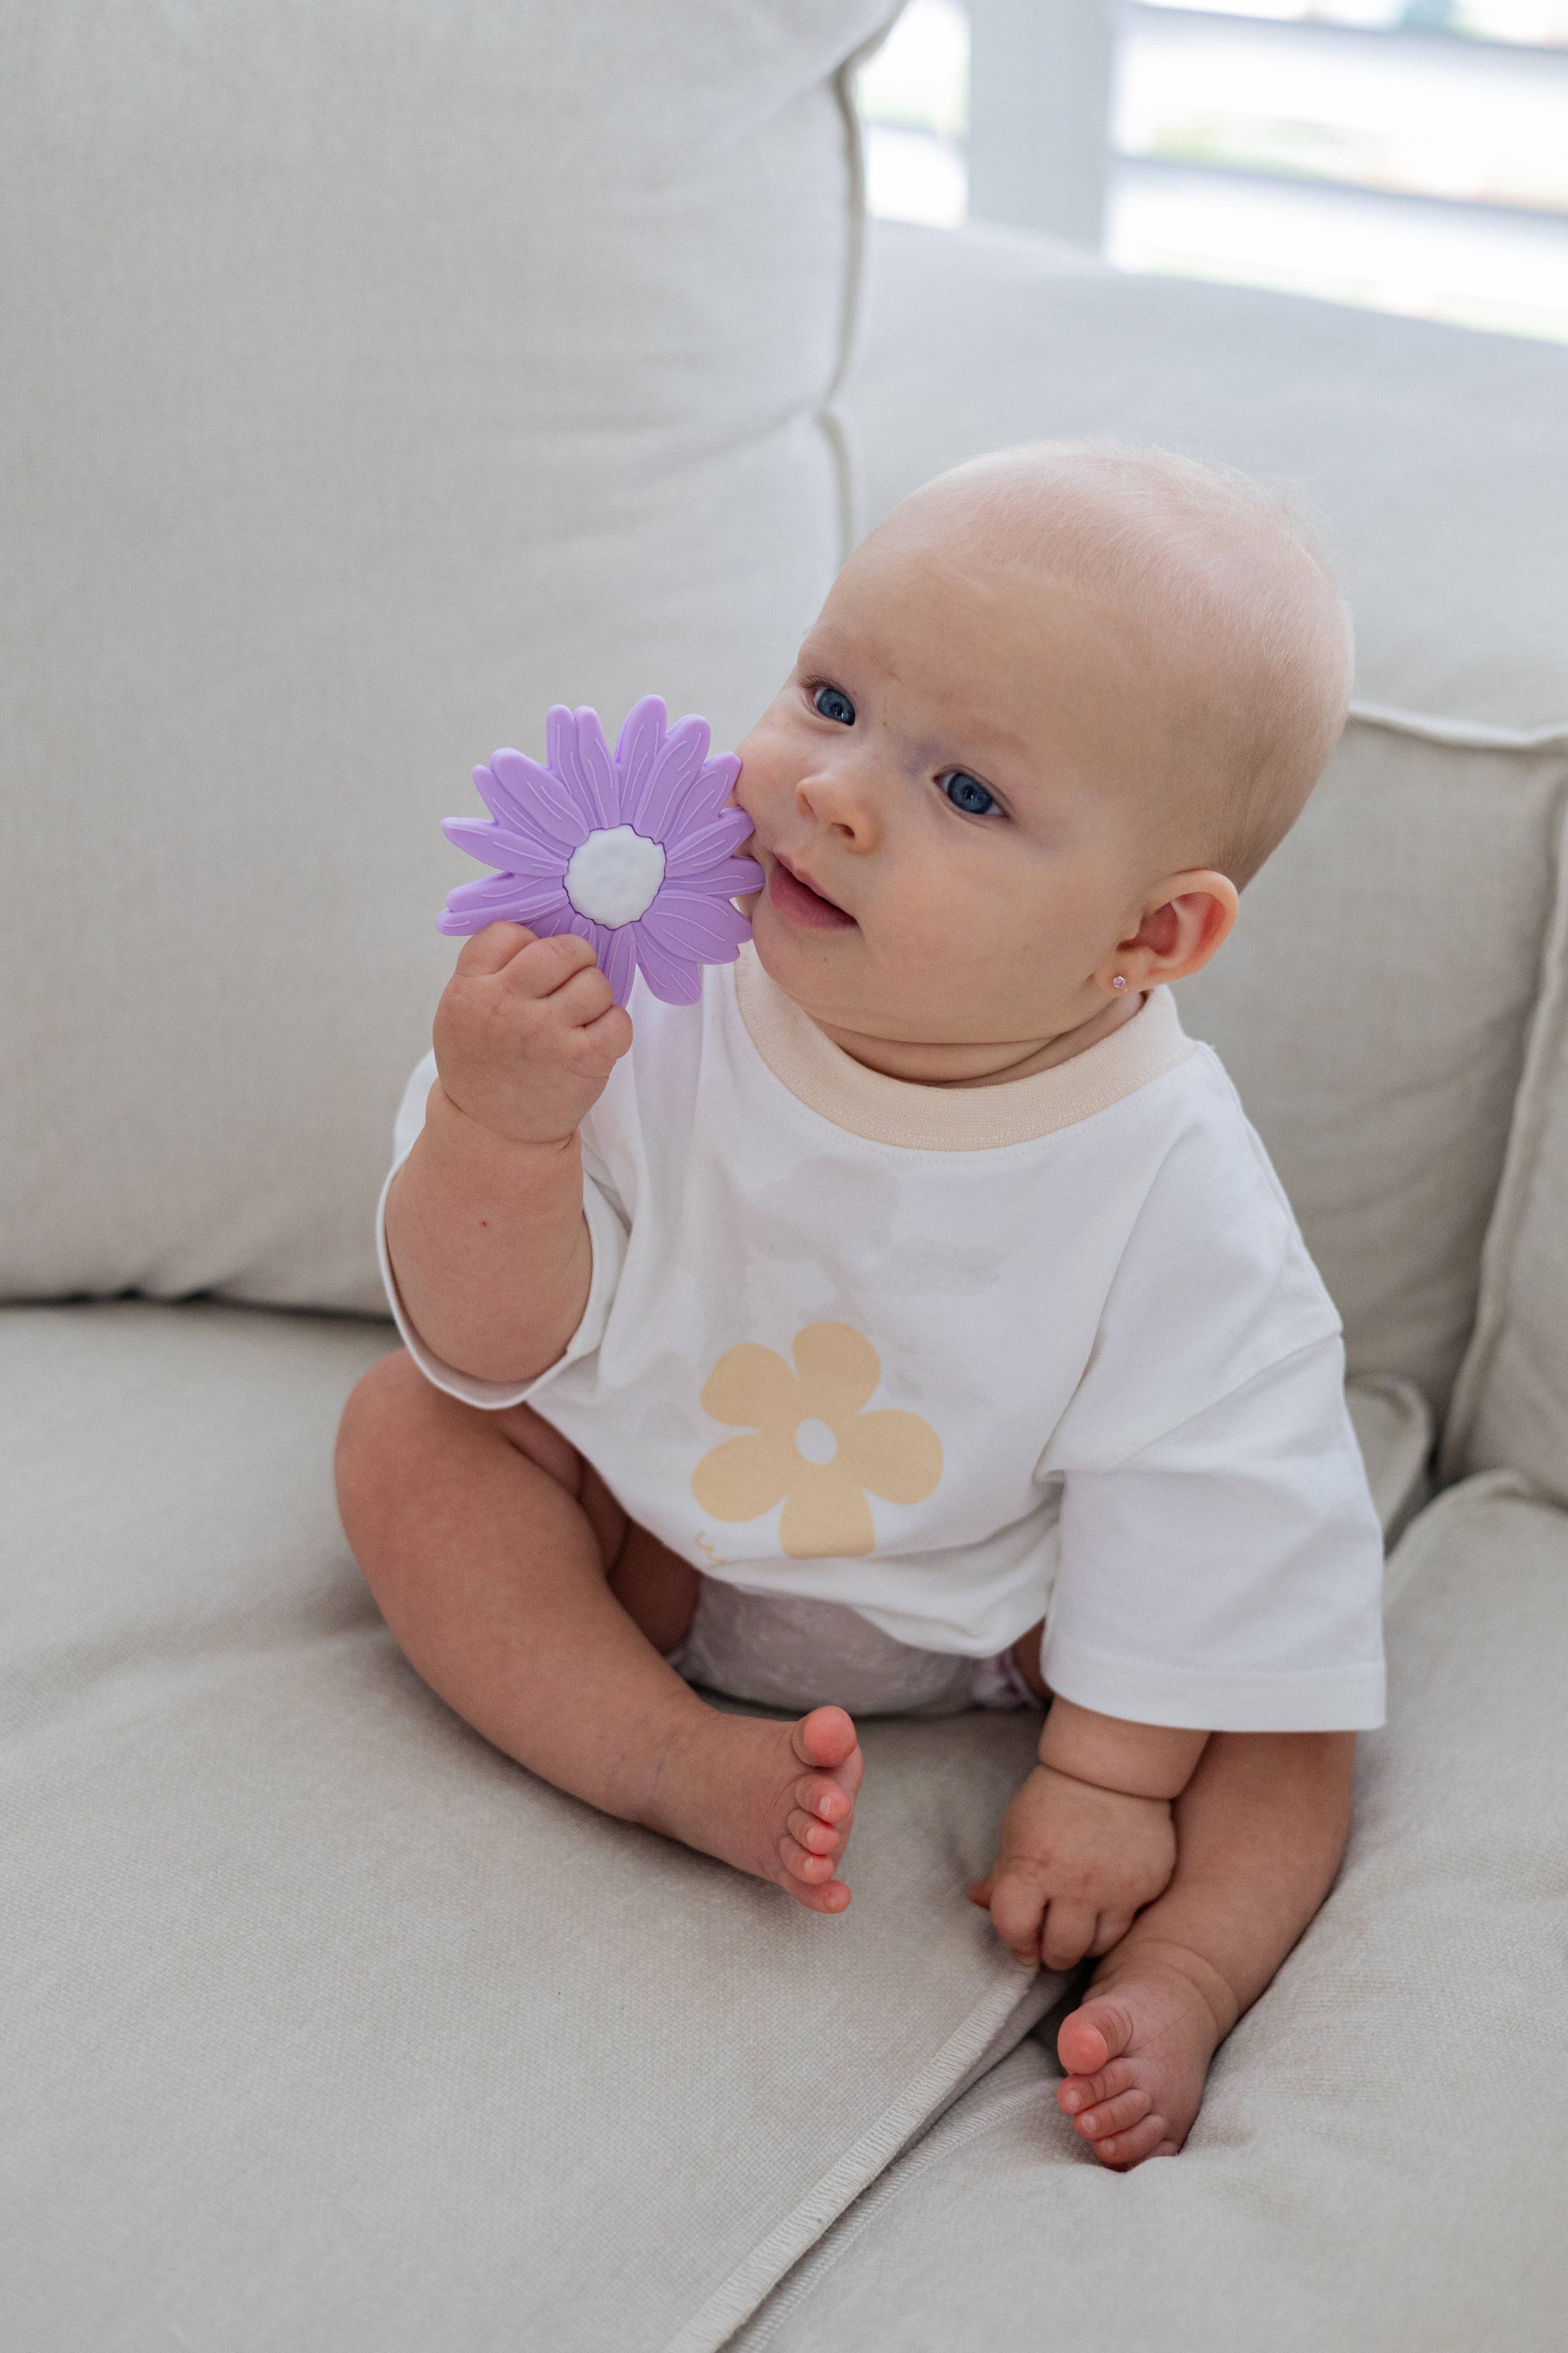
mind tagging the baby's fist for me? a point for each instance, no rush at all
(527, 1033)
(1074, 1864)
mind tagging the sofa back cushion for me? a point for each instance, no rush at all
(1510, 1407)
(378, 376)
(1372, 1006)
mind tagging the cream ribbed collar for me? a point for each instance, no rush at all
(952, 1119)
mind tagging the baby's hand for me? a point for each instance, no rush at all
(527, 1033)
(1074, 1864)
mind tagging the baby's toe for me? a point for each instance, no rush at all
(1150, 2138)
(826, 1738)
(800, 1864)
(816, 1837)
(1081, 2092)
(817, 1795)
(1093, 2036)
(1117, 2116)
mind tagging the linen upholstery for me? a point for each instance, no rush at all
(1512, 1404)
(1394, 1429)
(327, 2026)
(1383, 2140)
(378, 375)
(1373, 1003)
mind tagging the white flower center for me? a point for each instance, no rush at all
(815, 1441)
(614, 876)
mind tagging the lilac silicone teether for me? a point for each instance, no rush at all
(634, 852)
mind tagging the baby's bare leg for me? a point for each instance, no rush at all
(497, 1557)
(1260, 1829)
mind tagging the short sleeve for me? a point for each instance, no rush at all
(1227, 1576)
(606, 1235)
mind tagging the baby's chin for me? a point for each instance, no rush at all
(810, 967)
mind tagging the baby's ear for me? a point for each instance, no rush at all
(1187, 923)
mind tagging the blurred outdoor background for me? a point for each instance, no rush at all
(1407, 154)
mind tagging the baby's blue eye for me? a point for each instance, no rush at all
(967, 794)
(832, 704)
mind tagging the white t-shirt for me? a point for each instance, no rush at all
(964, 1358)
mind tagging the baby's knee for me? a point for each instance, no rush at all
(383, 1414)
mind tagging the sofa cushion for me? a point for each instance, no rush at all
(1511, 1402)
(378, 375)
(326, 2025)
(1382, 2153)
(1374, 1004)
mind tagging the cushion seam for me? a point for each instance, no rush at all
(1520, 1161)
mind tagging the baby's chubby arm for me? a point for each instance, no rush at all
(1089, 1839)
(484, 1219)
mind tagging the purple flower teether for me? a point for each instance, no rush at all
(635, 853)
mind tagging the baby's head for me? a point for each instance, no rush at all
(1055, 712)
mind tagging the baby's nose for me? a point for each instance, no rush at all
(843, 802)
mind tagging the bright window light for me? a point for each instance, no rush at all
(914, 102)
(1410, 156)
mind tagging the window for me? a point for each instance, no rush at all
(1409, 155)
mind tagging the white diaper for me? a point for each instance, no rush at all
(788, 1653)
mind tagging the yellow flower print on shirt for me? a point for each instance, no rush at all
(810, 1443)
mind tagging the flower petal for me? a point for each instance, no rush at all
(894, 1453)
(825, 1515)
(688, 851)
(598, 936)
(731, 878)
(753, 1387)
(637, 747)
(494, 844)
(743, 1477)
(708, 795)
(499, 890)
(491, 891)
(686, 923)
(561, 917)
(513, 804)
(588, 766)
(544, 801)
(838, 1370)
(735, 878)
(677, 766)
(722, 772)
(676, 979)
(563, 745)
(465, 915)
(619, 963)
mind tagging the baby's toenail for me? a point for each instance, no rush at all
(1072, 2102)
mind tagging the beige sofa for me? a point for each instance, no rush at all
(380, 375)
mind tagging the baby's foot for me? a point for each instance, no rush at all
(1137, 2053)
(775, 1800)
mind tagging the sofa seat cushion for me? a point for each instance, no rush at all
(1383, 2152)
(1380, 1072)
(328, 2025)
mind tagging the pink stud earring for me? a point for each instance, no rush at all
(1120, 981)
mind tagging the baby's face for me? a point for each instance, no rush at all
(955, 798)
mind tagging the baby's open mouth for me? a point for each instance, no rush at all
(798, 902)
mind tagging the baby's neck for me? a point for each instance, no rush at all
(993, 1064)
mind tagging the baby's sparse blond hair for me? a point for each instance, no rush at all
(1229, 579)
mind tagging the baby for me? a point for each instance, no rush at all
(917, 1322)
